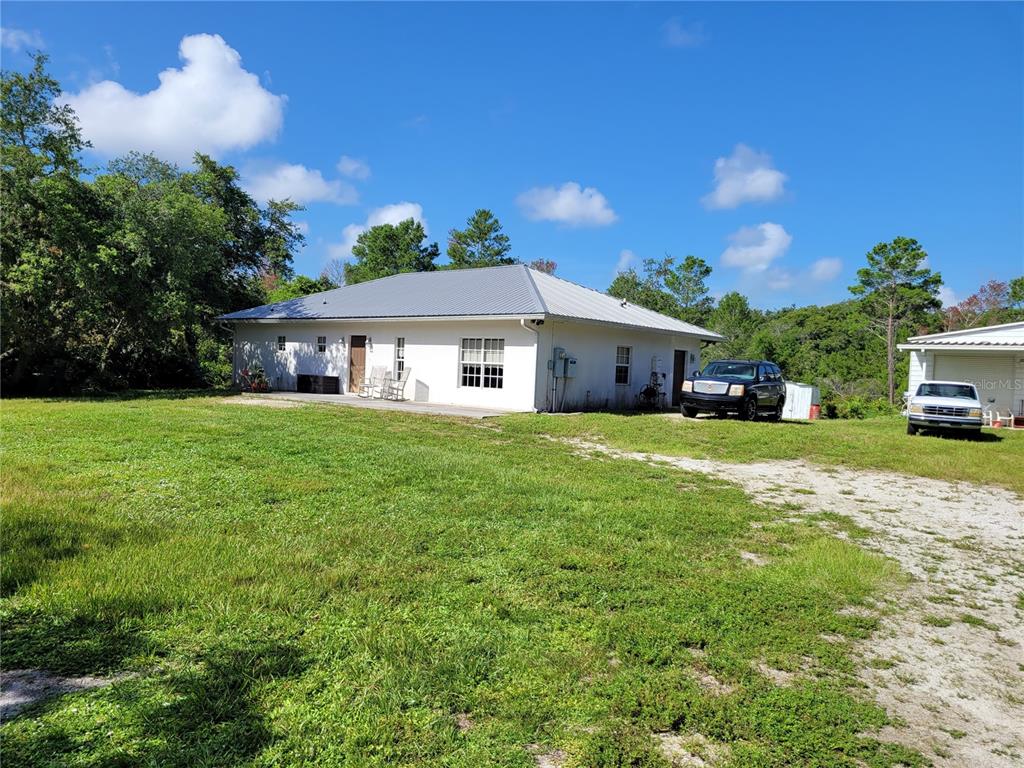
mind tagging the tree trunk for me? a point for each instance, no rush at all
(890, 351)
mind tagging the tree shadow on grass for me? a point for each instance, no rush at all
(34, 541)
(209, 712)
(142, 394)
(96, 643)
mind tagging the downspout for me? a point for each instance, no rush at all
(536, 336)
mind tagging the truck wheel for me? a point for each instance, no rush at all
(777, 413)
(749, 412)
(688, 411)
(911, 429)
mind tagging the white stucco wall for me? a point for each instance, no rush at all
(920, 368)
(594, 348)
(431, 351)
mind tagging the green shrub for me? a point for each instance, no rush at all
(857, 407)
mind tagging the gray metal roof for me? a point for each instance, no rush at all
(508, 291)
(1007, 336)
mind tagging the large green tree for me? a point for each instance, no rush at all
(298, 286)
(480, 244)
(687, 282)
(675, 289)
(734, 319)
(644, 288)
(117, 279)
(1017, 292)
(390, 249)
(896, 288)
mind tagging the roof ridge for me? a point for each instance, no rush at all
(536, 290)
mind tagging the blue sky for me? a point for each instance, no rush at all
(779, 142)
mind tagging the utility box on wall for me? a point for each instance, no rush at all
(570, 367)
(557, 362)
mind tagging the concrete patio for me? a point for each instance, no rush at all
(408, 406)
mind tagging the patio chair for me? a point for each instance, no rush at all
(374, 382)
(394, 389)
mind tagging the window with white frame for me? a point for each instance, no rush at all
(399, 356)
(622, 360)
(321, 344)
(280, 343)
(482, 363)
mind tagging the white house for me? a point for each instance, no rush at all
(508, 337)
(992, 358)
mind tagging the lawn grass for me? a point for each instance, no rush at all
(878, 443)
(336, 587)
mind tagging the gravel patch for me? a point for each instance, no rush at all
(956, 636)
(20, 688)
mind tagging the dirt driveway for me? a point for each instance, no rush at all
(948, 658)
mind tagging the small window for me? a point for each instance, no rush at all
(482, 363)
(321, 344)
(622, 359)
(280, 343)
(399, 355)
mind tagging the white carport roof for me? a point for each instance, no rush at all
(513, 291)
(1007, 337)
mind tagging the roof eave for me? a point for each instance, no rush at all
(920, 346)
(378, 319)
(700, 334)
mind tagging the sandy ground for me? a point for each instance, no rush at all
(956, 687)
(260, 402)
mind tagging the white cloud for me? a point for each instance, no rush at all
(297, 183)
(680, 35)
(745, 176)
(353, 168)
(626, 259)
(568, 204)
(16, 40)
(779, 280)
(209, 105)
(302, 226)
(824, 270)
(753, 249)
(947, 297)
(388, 214)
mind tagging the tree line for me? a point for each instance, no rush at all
(114, 278)
(848, 348)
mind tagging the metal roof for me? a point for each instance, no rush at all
(1007, 336)
(563, 298)
(507, 291)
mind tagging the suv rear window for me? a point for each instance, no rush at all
(965, 391)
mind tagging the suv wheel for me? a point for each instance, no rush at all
(911, 429)
(777, 413)
(689, 411)
(749, 412)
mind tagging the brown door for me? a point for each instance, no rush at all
(356, 363)
(678, 374)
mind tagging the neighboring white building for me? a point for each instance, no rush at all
(477, 337)
(991, 358)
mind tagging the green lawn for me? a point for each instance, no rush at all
(881, 443)
(330, 586)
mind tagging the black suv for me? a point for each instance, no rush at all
(747, 387)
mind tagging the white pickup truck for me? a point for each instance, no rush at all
(943, 405)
